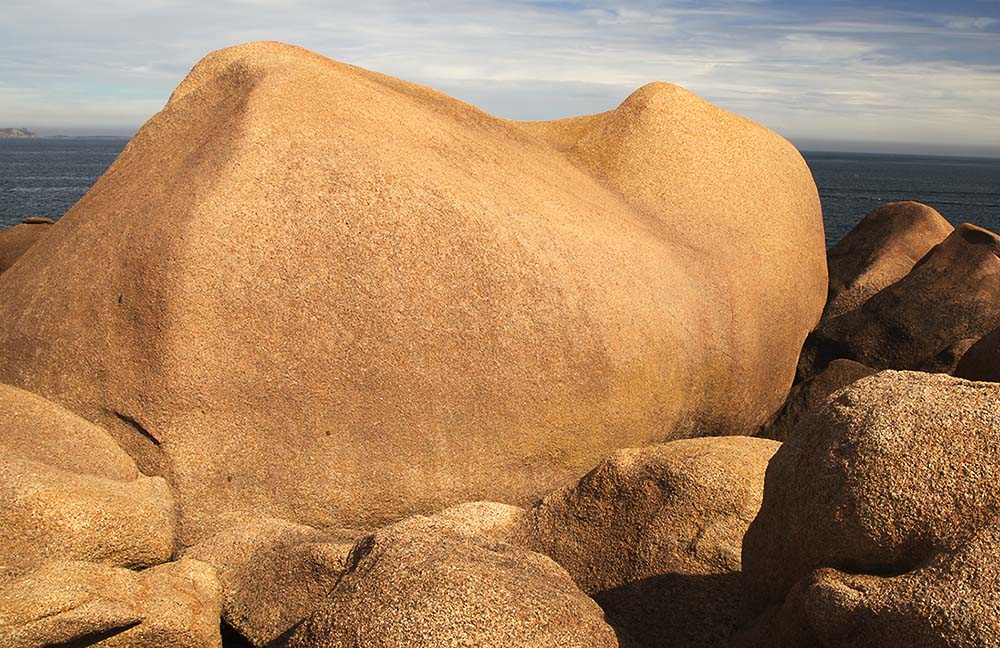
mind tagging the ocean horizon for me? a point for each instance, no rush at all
(48, 175)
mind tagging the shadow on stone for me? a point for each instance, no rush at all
(647, 609)
(231, 638)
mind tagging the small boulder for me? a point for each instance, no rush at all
(953, 293)
(70, 603)
(273, 573)
(49, 514)
(15, 241)
(421, 583)
(68, 491)
(654, 535)
(32, 427)
(809, 393)
(880, 251)
(895, 476)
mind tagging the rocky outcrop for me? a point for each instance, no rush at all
(950, 601)
(880, 251)
(273, 573)
(17, 133)
(950, 295)
(423, 583)
(68, 492)
(809, 394)
(302, 272)
(879, 520)
(87, 604)
(15, 241)
(654, 535)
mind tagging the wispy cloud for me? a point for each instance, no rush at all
(847, 70)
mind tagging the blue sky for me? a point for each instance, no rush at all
(902, 76)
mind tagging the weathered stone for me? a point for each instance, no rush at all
(70, 603)
(421, 583)
(300, 272)
(274, 573)
(893, 483)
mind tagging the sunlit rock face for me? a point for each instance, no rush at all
(314, 292)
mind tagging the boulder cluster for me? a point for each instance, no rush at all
(331, 360)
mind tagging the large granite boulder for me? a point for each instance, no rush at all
(951, 295)
(273, 573)
(654, 535)
(880, 251)
(879, 520)
(70, 603)
(67, 491)
(310, 291)
(425, 583)
(15, 241)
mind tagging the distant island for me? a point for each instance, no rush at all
(17, 132)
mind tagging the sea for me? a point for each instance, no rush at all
(46, 176)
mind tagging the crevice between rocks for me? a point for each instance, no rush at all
(137, 426)
(93, 638)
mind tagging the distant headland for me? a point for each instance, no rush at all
(17, 132)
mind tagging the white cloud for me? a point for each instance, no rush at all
(860, 73)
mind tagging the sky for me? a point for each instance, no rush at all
(912, 77)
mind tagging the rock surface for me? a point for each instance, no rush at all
(952, 294)
(421, 583)
(948, 359)
(654, 535)
(880, 251)
(15, 241)
(809, 394)
(86, 604)
(273, 573)
(951, 601)
(34, 428)
(51, 514)
(894, 482)
(981, 361)
(67, 491)
(298, 266)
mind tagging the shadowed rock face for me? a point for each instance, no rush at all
(15, 241)
(310, 291)
(273, 573)
(809, 394)
(654, 535)
(879, 251)
(982, 360)
(879, 520)
(949, 296)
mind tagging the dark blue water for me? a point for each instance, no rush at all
(44, 177)
(964, 190)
